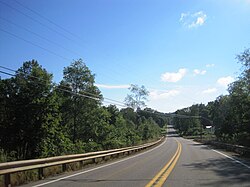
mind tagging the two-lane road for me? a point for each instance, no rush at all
(197, 165)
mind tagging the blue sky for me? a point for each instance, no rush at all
(182, 51)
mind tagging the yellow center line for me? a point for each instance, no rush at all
(162, 176)
(128, 167)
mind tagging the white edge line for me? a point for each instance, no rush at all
(237, 161)
(99, 166)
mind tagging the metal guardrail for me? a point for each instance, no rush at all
(242, 150)
(230, 147)
(9, 168)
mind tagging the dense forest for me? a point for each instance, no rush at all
(229, 115)
(39, 118)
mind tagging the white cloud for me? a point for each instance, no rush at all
(224, 81)
(183, 16)
(210, 65)
(157, 95)
(193, 20)
(173, 77)
(210, 90)
(199, 72)
(112, 86)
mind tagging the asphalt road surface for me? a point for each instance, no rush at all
(197, 165)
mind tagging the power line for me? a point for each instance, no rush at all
(20, 12)
(71, 92)
(185, 116)
(43, 17)
(92, 96)
(6, 73)
(50, 41)
(32, 43)
(44, 25)
(111, 101)
(171, 114)
(7, 69)
(51, 22)
(65, 86)
(47, 19)
(20, 38)
(56, 86)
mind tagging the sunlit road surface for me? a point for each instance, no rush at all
(197, 165)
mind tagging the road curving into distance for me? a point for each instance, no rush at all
(176, 162)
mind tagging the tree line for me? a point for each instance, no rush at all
(39, 118)
(228, 114)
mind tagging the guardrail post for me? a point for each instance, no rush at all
(40, 173)
(64, 167)
(81, 164)
(7, 180)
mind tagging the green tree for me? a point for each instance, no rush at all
(239, 92)
(230, 114)
(187, 120)
(29, 110)
(129, 115)
(114, 113)
(78, 105)
(160, 118)
(137, 98)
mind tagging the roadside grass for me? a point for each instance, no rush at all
(206, 137)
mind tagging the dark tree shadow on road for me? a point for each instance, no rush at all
(104, 180)
(230, 172)
(201, 145)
